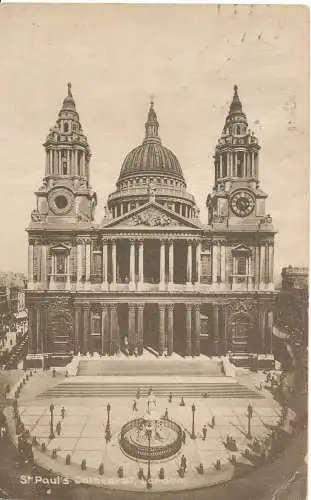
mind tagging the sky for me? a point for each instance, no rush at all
(188, 58)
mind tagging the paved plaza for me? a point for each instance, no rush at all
(83, 435)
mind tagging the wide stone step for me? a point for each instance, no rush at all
(233, 390)
(154, 366)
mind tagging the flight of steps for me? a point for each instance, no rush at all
(182, 388)
(153, 366)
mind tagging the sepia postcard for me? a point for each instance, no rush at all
(154, 251)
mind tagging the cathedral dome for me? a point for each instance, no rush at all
(151, 158)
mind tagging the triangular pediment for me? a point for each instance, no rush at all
(241, 248)
(60, 248)
(152, 215)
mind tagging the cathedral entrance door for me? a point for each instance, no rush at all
(241, 330)
(151, 327)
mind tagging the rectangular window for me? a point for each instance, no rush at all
(241, 266)
(61, 264)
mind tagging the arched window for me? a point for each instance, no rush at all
(238, 130)
(65, 169)
(66, 127)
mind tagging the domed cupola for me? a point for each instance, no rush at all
(151, 165)
(151, 158)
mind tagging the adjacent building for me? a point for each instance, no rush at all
(151, 275)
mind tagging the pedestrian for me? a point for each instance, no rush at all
(183, 437)
(166, 414)
(183, 462)
(204, 431)
(213, 422)
(182, 402)
(63, 412)
(250, 410)
(134, 405)
(137, 394)
(170, 397)
(58, 428)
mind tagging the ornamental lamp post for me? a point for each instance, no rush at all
(108, 417)
(52, 435)
(193, 408)
(249, 416)
(148, 433)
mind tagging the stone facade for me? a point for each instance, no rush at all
(151, 275)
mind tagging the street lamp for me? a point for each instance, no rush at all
(52, 435)
(249, 416)
(108, 417)
(193, 436)
(148, 433)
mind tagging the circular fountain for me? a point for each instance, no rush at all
(151, 437)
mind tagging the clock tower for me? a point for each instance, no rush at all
(65, 195)
(237, 199)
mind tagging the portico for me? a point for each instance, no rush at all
(161, 328)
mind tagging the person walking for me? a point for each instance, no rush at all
(62, 412)
(213, 422)
(134, 405)
(204, 432)
(183, 437)
(166, 414)
(182, 402)
(170, 398)
(58, 428)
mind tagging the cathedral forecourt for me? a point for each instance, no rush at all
(151, 276)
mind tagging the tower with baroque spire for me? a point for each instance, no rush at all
(236, 164)
(65, 194)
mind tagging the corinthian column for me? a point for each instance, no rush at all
(79, 263)
(105, 265)
(43, 266)
(114, 262)
(161, 328)
(215, 250)
(132, 265)
(30, 264)
(170, 329)
(196, 348)
(140, 327)
(88, 263)
(141, 263)
(171, 263)
(131, 325)
(198, 263)
(189, 263)
(162, 265)
(188, 329)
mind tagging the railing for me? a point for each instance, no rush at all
(144, 452)
(160, 191)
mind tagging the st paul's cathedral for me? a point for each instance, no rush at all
(151, 276)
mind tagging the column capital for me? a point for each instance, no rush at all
(171, 307)
(103, 307)
(188, 307)
(140, 307)
(113, 307)
(162, 306)
(197, 307)
(105, 240)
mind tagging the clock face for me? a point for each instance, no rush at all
(60, 201)
(242, 203)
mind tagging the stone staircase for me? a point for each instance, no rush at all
(162, 388)
(198, 367)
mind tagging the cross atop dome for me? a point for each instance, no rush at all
(152, 124)
(69, 103)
